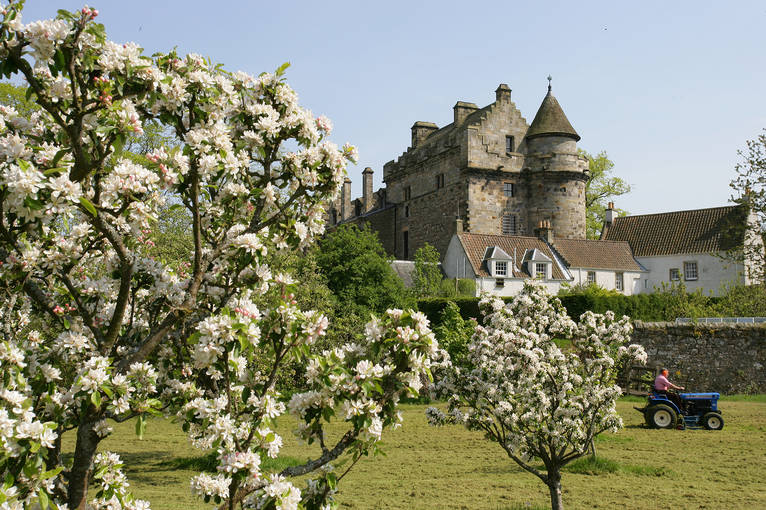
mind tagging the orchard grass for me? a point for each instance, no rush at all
(450, 467)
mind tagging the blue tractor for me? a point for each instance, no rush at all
(697, 410)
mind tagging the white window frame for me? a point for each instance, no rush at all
(691, 270)
(619, 281)
(538, 272)
(501, 264)
(591, 278)
(674, 271)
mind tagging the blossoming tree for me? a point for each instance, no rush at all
(541, 403)
(96, 331)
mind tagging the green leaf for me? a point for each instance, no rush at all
(281, 70)
(332, 481)
(140, 426)
(51, 473)
(95, 397)
(60, 154)
(59, 59)
(53, 171)
(88, 205)
(41, 494)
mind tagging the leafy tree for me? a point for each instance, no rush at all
(600, 189)
(359, 272)
(454, 333)
(749, 187)
(428, 275)
(15, 97)
(130, 333)
(540, 403)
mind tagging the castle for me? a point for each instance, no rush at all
(488, 169)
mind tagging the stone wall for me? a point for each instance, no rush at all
(727, 358)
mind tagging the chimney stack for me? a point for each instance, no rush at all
(503, 93)
(462, 110)
(367, 189)
(544, 231)
(458, 226)
(345, 200)
(420, 131)
(609, 216)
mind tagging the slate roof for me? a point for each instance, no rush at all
(592, 254)
(695, 231)
(550, 120)
(475, 246)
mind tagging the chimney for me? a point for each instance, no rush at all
(462, 110)
(367, 198)
(503, 93)
(609, 216)
(345, 200)
(420, 131)
(544, 231)
(458, 226)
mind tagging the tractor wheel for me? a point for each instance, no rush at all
(662, 417)
(712, 421)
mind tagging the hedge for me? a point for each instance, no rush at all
(645, 307)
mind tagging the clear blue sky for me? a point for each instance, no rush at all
(670, 90)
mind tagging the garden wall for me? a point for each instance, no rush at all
(727, 358)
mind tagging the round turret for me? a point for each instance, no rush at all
(555, 173)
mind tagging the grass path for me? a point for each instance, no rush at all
(452, 468)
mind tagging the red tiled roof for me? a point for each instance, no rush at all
(696, 231)
(475, 246)
(589, 253)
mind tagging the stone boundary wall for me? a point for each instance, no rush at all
(727, 358)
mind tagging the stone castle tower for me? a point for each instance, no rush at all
(488, 168)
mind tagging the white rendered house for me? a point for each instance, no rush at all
(499, 264)
(689, 246)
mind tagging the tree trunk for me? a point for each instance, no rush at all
(79, 476)
(554, 485)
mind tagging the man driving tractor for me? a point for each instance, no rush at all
(662, 385)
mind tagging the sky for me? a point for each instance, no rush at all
(670, 90)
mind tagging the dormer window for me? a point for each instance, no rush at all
(540, 270)
(501, 268)
(510, 146)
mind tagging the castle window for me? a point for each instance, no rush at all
(509, 225)
(563, 190)
(508, 189)
(501, 268)
(540, 270)
(357, 209)
(619, 282)
(675, 274)
(591, 277)
(439, 181)
(510, 146)
(334, 215)
(407, 193)
(406, 244)
(406, 211)
(690, 270)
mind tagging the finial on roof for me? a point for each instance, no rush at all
(549, 82)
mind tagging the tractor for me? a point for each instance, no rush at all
(698, 410)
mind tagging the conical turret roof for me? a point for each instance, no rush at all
(550, 120)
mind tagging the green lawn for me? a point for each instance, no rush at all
(450, 467)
